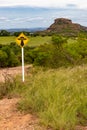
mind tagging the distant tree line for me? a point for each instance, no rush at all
(38, 33)
(6, 33)
(34, 34)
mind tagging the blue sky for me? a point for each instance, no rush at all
(40, 13)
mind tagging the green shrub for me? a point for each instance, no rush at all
(3, 58)
(9, 56)
(58, 40)
(78, 50)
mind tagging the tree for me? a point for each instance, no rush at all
(58, 41)
(12, 59)
(3, 58)
(18, 33)
(4, 33)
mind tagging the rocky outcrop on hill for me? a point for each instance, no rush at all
(66, 27)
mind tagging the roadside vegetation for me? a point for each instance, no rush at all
(56, 91)
(57, 96)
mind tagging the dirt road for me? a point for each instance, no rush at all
(12, 71)
(12, 119)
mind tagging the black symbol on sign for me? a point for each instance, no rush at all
(22, 40)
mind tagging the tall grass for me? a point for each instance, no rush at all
(11, 87)
(59, 97)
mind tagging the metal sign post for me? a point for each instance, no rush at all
(22, 50)
(22, 41)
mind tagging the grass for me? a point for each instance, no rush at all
(36, 41)
(33, 41)
(58, 97)
(7, 39)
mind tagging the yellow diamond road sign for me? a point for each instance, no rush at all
(22, 40)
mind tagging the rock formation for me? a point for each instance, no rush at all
(66, 27)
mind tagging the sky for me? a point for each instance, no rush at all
(40, 13)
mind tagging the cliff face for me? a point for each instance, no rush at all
(65, 26)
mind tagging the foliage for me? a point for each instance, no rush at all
(41, 55)
(4, 33)
(60, 55)
(3, 58)
(78, 49)
(18, 33)
(8, 57)
(44, 52)
(58, 40)
(57, 97)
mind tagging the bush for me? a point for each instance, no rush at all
(47, 55)
(58, 40)
(41, 59)
(3, 58)
(8, 56)
(78, 50)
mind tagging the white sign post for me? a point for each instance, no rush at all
(22, 41)
(22, 49)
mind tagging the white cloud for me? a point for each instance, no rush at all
(44, 3)
(34, 19)
(27, 19)
(4, 19)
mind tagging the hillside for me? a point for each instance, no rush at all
(66, 27)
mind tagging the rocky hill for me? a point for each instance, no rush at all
(66, 27)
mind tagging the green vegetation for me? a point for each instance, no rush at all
(51, 52)
(7, 40)
(9, 55)
(37, 41)
(78, 49)
(57, 96)
(33, 41)
(4, 33)
(11, 87)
